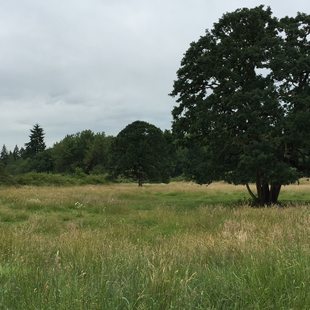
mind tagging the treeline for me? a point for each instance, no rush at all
(141, 152)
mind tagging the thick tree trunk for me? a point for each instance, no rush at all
(267, 194)
(265, 197)
(274, 193)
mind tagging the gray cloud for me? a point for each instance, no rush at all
(98, 64)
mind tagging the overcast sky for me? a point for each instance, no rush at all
(71, 65)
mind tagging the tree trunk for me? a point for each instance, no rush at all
(250, 192)
(140, 176)
(267, 194)
(140, 182)
(265, 197)
(274, 193)
(258, 187)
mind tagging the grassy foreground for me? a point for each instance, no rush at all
(176, 246)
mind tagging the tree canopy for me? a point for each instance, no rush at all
(86, 151)
(140, 152)
(243, 99)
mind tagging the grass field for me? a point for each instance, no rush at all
(176, 246)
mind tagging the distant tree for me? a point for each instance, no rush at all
(243, 98)
(4, 155)
(84, 151)
(43, 162)
(22, 152)
(5, 178)
(140, 152)
(5, 159)
(70, 152)
(98, 155)
(36, 143)
(16, 153)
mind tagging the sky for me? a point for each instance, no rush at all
(71, 65)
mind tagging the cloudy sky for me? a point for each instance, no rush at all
(71, 65)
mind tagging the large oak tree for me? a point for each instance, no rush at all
(243, 99)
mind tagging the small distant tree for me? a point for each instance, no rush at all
(140, 152)
(22, 152)
(4, 155)
(36, 143)
(16, 153)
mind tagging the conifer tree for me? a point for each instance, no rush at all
(4, 155)
(36, 144)
(16, 153)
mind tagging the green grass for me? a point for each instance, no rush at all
(176, 246)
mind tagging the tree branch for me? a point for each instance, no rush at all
(250, 192)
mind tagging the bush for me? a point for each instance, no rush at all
(45, 179)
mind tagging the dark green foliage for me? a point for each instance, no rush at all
(81, 153)
(4, 176)
(21, 165)
(140, 152)
(36, 143)
(4, 155)
(70, 152)
(35, 157)
(54, 179)
(43, 162)
(243, 95)
(176, 155)
(98, 156)
(291, 69)
(13, 163)
(85, 150)
(16, 153)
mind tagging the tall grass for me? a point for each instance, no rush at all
(177, 246)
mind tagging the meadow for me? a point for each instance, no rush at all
(174, 246)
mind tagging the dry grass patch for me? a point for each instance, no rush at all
(159, 247)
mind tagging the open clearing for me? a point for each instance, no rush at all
(175, 246)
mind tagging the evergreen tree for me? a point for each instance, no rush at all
(4, 155)
(36, 143)
(16, 153)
